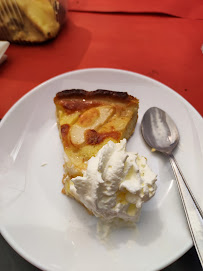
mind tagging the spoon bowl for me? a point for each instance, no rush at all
(159, 130)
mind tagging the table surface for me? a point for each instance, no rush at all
(160, 41)
(165, 48)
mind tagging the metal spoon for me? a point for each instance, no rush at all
(161, 133)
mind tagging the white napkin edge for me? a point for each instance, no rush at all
(3, 47)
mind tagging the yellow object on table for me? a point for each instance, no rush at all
(30, 20)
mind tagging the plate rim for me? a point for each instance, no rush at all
(95, 69)
(3, 230)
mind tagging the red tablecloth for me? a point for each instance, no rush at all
(162, 47)
(181, 8)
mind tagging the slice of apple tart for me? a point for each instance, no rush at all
(87, 120)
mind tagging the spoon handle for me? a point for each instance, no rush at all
(194, 219)
(188, 188)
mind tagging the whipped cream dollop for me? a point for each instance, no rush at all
(115, 184)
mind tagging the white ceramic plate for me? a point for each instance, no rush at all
(53, 231)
